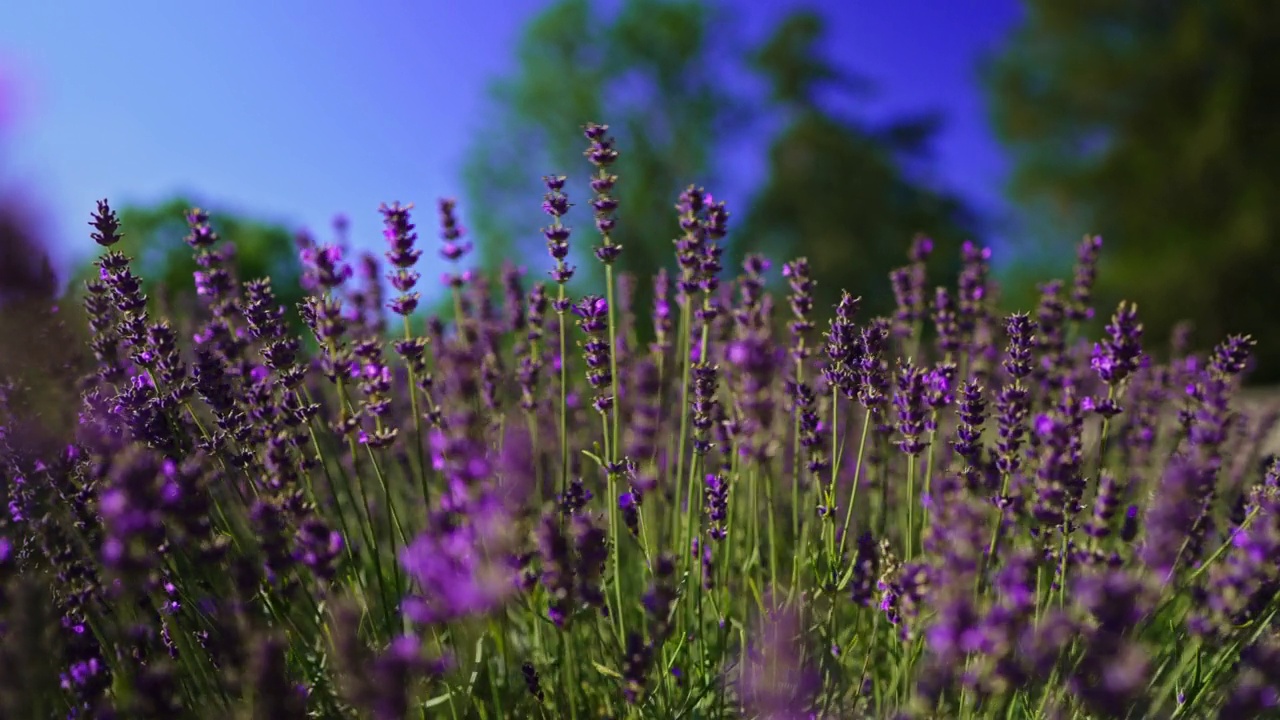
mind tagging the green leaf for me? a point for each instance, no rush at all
(606, 670)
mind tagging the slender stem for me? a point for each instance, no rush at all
(686, 363)
(795, 463)
(909, 540)
(417, 420)
(564, 402)
(460, 316)
(857, 480)
(613, 359)
(613, 534)
(997, 534)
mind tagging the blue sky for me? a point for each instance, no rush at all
(295, 111)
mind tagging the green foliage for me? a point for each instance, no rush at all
(154, 238)
(840, 191)
(647, 72)
(1154, 124)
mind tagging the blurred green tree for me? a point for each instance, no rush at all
(841, 192)
(153, 237)
(1155, 125)
(648, 72)
(847, 194)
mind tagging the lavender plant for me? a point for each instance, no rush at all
(740, 519)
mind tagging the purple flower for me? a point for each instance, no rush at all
(593, 314)
(909, 400)
(908, 287)
(946, 321)
(1020, 328)
(866, 570)
(1120, 356)
(717, 494)
(106, 225)
(842, 346)
(777, 682)
(556, 204)
(972, 292)
(453, 248)
(1086, 272)
(402, 255)
(703, 403)
(324, 268)
(451, 564)
(1172, 515)
(801, 301)
(602, 155)
(317, 548)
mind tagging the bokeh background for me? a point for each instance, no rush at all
(835, 129)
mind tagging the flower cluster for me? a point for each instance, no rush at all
(216, 517)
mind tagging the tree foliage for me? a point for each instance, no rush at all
(153, 236)
(1156, 125)
(841, 191)
(646, 70)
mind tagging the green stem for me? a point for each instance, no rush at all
(909, 541)
(613, 534)
(564, 403)
(684, 343)
(417, 421)
(857, 479)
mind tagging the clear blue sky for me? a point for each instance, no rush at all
(295, 111)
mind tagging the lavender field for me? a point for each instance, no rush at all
(521, 509)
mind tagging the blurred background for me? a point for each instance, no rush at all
(834, 129)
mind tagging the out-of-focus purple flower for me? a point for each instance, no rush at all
(866, 570)
(557, 569)
(592, 545)
(459, 567)
(777, 682)
(801, 300)
(317, 548)
(1115, 670)
(1172, 515)
(908, 287)
(324, 267)
(945, 320)
(1051, 334)
(1086, 272)
(451, 232)
(1105, 505)
(972, 291)
(750, 312)
(1058, 482)
(646, 419)
(754, 365)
